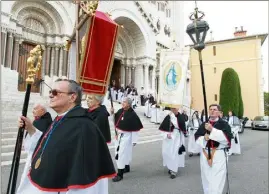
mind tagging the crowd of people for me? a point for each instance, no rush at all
(69, 154)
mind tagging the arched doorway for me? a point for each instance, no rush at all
(41, 24)
(130, 53)
(116, 74)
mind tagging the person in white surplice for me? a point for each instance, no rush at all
(173, 130)
(235, 125)
(193, 125)
(127, 125)
(214, 135)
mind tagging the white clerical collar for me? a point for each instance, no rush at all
(214, 120)
(63, 114)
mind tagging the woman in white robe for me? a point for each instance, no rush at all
(235, 124)
(193, 125)
(173, 148)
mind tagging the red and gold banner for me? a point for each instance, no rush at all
(98, 57)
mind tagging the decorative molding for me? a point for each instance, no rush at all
(147, 17)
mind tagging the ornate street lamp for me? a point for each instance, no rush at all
(197, 31)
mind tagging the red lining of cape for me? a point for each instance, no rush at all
(130, 131)
(70, 186)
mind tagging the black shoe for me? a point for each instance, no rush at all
(169, 172)
(191, 154)
(172, 175)
(117, 178)
(126, 169)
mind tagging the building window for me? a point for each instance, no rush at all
(215, 70)
(168, 13)
(214, 50)
(216, 97)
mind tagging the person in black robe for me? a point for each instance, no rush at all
(73, 155)
(127, 125)
(186, 118)
(99, 114)
(215, 135)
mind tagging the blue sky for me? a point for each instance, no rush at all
(224, 16)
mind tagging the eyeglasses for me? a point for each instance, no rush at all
(55, 92)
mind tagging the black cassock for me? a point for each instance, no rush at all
(42, 123)
(127, 120)
(76, 154)
(220, 125)
(100, 117)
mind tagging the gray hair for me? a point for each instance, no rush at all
(40, 106)
(99, 98)
(75, 88)
(128, 100)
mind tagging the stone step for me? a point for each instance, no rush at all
(9, 135)
(9, 156)
(9, 138)
(7, 148)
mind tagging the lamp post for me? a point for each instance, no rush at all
(197, 31)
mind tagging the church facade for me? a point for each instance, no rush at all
(148, 27)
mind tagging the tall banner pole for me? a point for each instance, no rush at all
(33, 66)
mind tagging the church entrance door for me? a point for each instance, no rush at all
(115, 74)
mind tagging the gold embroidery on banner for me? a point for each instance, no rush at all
(85, 58)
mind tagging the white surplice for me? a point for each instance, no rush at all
(170, 147)
(213, 178)
(147, 109)
(193, 147)
(156, 114)
(26, 187)
(234, 122)
(124, 145)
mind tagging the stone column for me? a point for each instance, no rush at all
(3, 46)
(61, 61)
(126, 75)
(47, 66)
(130, 75)
(153, 78)
(139, 77)
(65, 62)
(133, 76)
(56, 62)
(122, 77)
(146, 87)
(44, 61)
(16, 54)
(52, 61)
(9, 50)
